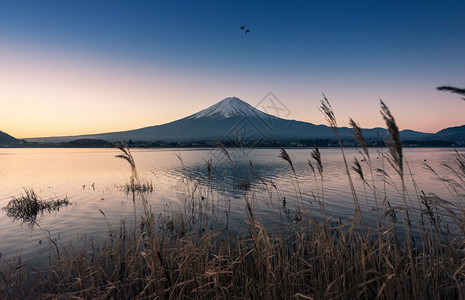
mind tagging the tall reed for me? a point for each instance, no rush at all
(327, 110)
(185, 256)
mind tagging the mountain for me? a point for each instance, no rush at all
(223, 120)
(228, 108)
(6, 139)
(455, 134)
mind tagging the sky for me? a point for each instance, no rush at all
(82, 67)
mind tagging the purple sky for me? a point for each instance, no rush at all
(77, 67)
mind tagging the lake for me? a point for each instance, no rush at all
(92, 180)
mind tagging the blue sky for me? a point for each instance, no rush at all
(117, 65)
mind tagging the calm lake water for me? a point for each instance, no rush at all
(91, 179)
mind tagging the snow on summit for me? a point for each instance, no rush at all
(229, 107)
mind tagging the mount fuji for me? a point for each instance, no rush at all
(228, 108)
(226, 121)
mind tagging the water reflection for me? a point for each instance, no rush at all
(261, 175)
(218, 186)
(234, 174)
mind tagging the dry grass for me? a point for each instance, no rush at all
(183, 256)
(452, 90)
(28, 206)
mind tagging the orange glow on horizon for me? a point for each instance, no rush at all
(49, 94)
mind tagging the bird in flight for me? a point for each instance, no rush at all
(243, 28)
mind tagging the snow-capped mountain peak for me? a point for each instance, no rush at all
(227, 108)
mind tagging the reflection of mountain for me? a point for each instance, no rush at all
(220, 122)
(230, 175)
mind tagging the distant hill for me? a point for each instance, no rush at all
(83, 143)
(6, 139)
(455, 134)
(220, 122)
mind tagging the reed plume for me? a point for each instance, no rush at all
(358, 134)
(127, 156)
(285, 156)
(452, 89)
(316, 155)
(394, 144)
(327, 110)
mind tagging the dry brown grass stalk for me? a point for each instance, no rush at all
(184, 256)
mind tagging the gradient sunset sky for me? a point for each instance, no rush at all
(81, 67)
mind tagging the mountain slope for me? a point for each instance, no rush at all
(222, 120)
(455, 134)
(228, 108)
(6, 139)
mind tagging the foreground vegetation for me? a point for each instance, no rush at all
(28, 206)
(304, 256)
